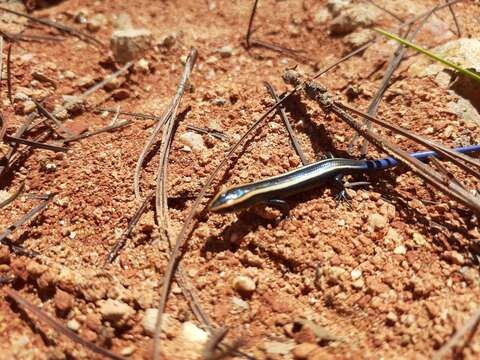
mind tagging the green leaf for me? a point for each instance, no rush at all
(466, 72)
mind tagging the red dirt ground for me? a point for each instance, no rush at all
(392, 276)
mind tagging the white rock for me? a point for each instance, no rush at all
(336, 6)
(169, 324)
(400, 250)
(116, 312)
(358, 38)
(244, 284)
(130, 44)
(225, 51)
(73, 325)
(193, 140)
(4, 195)
(356, 274)
(193, 333)
(29, 106)
(377, 221)
(463, 52)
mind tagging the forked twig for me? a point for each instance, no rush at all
(42, 110)
(59, 327)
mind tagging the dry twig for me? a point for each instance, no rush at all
(66, 29)
(58, 326)
(288, 126)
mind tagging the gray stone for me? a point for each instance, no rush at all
(359, 16)
(336, 6)
(193, 333)
(130, 44)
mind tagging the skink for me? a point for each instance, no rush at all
(305, 178)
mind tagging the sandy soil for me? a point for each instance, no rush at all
(392, 276)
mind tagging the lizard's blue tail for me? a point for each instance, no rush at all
(390, 162)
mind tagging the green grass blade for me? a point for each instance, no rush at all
(466, 72)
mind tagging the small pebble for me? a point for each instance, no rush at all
(116, 312)
(225, 51)
(73, 325)
(356, 274)
(193, 140)
(244, 284)
(127, 351)
(400, 250)
(391, 318)
(63, 301)
(193, 333)
(377, 221)
(29, 106)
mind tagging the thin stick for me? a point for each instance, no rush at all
(9, 73)
(13, 148)
(29, 215)
(288, 126)
(27, 37)
(105, 81)
(448, 153)
(451, 189)
(392, 66)
(250, 23)
(131, 225)
(98, 131)
(13, 197)
(215, 133)
(454, 17)
(392, 14)
(58, 326)
(470, 324)
(55, 25)
(42, 110)
(128, 113)
(1, 61)
(161, 203)
(34, 144)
